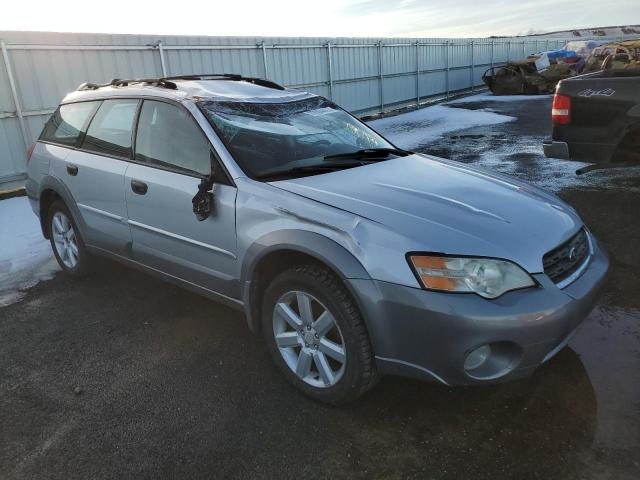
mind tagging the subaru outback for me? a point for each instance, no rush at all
(351, 257)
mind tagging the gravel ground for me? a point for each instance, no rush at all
(122, 376)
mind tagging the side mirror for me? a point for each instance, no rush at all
(203, 200)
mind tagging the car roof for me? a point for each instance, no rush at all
(179, 89)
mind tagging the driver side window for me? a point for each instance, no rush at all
(168, 136)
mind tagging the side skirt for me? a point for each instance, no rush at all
(218, 297)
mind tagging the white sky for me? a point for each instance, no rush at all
(349, 18)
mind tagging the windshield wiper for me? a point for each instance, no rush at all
(354, 159)
(318, 168)
(370, 153)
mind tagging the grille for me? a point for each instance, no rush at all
(564, 260)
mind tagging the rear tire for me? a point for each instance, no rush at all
(66, 242)
(316, 335)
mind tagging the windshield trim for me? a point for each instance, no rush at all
(200, 104)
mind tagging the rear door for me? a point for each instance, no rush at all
(172, 155)
(95, 175)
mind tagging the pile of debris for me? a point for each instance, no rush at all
(539, 73)
(614, 56)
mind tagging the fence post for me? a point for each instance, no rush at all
(16, 101)
(417, 73)
(380, 78)
(264, 59)
(163, 65)
(508, 50)
(472, 67)
(446, 65)
(492, 48)
(330, 69)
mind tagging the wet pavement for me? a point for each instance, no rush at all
(122, 376)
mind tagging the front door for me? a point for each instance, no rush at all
(172, 154)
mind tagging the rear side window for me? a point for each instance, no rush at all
(67, 123)
(111, 128)
(168, 136)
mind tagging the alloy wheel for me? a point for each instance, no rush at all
(64, 239)
(309, 339)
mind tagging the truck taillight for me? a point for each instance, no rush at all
(561, 110)
(30, 152)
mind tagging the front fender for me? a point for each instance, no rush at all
(322, 248)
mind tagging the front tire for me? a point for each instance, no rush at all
(67, 245)
(317, 336)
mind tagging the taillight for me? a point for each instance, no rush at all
(30, 152)
(561, 110)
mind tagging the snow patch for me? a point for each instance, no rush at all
(550, 174)
(419, 127)
(489, 97)
(25, 255)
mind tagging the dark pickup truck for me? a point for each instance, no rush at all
(596, 119)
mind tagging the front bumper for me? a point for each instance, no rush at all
(427, 334)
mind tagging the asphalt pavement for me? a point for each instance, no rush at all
(120, 375)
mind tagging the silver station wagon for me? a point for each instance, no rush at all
(351, 257)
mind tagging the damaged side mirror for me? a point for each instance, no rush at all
(203, 200)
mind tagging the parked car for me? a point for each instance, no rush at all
(596, 119)
(351, 257)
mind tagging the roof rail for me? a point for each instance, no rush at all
(117, 82)
(167, 82)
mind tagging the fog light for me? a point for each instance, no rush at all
(477, 357)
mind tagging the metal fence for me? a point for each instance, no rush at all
(364, 75)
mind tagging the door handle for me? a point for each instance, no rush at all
(72, 170)
(139, 187)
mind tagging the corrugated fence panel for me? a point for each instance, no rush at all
(65, 70)
(185, 62)
(354, 62)
(362, 96)
(299, 66)
(12, 152)
(6, 100)
(364, 75)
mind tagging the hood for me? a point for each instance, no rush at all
(447, 207)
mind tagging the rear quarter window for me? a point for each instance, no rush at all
(67, 123)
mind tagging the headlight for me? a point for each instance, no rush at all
(488, 277)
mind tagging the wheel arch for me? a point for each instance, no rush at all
(277, 251)
(52, 189)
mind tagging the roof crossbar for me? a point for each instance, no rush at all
(228, 76)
